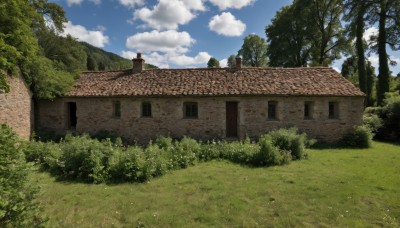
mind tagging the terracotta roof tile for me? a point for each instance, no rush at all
(215, 82)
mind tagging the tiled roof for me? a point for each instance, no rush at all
(215, 82)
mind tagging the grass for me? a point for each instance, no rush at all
(334, 187)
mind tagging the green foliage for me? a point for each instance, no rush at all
(359, 137)
(254, 51)
(373, 122)
(288, 37)
(291, 141)
(17, 206)
(85, 159)
(239, 152)
(391, 118)
(185, 152)
(269, 154)
(103, 60)
(307, 33)
(127, 165)
(213, 63)
(232, 61)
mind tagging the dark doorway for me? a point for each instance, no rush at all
(231, 119)
(71, 115)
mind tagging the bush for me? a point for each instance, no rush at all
(17, 205)
(359, 137)
(269, 154)
(209, 151)
(391, 118)
(127, 165)
(156, 163)
(85, 158)
(47, 155)
(373, 122)
(239, 152)
(185, 152)
(289, 140)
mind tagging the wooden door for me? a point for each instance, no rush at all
(231, 119)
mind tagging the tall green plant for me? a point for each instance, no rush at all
(17, 205)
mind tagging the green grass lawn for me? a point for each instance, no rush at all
(334, 187)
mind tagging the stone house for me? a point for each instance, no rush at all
(16, 106)
(206, 103)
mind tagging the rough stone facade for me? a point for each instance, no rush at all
(96, 114)
(16, 107)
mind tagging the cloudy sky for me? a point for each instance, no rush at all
(174, 33)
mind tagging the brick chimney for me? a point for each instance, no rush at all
(238, 62)
(138, 64)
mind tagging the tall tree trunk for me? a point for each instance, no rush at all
(362, 78)
(383, 77)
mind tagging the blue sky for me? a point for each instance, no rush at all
(174, 33)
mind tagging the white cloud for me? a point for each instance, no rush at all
(168, 41)
(223, 63)
(226, 24)
(337, 69)
(78, 2)
(163, 60)
(131, 3)
(374, 59)
(167, 14)
(183, 60)
(95, 38)
(373, 31)
(195, 4)
(236, 4)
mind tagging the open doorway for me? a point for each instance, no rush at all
(71, 115)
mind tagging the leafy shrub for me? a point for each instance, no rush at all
(269, 154)
(239, 152)
(164, 142)
(47, 155)
(156, 164)
(17, 205)
(127, 165)
(85, 158)
(185, 152)
(359, 137)
(209, 151)
(289, 140)
(373, 122)
(391, 118)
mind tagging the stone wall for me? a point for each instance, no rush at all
(16, 107)
(96, 114)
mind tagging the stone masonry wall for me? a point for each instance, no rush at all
(16, 107)
(96, 114)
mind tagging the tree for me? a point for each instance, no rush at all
(387, 14)
(328, 39)
(308, 32)
(212, 63)
(232, 61)
(90, 63)
(254, 51)
(17, 205)
(289, 44)
(22, 22)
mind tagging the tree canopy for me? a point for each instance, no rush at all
(254, 51)
(212, 63)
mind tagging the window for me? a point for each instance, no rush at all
(333, 110)
(272, 110)
(308, 110)
(146, 109)
(117, 109)
(190, 110)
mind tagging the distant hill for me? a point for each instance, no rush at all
(98, 59)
